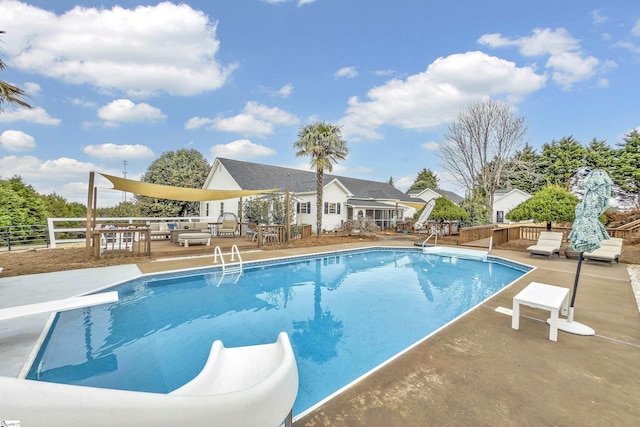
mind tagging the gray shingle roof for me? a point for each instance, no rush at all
(451, 196)
(256, 176)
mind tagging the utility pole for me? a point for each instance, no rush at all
(124, 193)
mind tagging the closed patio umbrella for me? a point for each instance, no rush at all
(586, 234)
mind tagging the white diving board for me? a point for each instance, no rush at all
(58, 305)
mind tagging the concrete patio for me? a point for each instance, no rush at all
(477, 371)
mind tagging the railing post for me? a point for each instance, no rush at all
(52, 233)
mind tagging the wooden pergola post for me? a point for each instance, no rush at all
(287, 201)
(90, 215)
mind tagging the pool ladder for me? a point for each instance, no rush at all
(435, 243)
(231, 269)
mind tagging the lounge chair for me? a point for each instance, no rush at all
(228, 224)
(609, 251)
(548, 244)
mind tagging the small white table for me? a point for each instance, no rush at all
(546, 297)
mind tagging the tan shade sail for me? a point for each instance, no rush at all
(417, 206)
(177, 193)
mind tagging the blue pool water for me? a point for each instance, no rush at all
(345, 314)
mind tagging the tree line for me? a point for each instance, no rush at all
(484, 150)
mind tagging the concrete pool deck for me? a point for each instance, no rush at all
(477, 371)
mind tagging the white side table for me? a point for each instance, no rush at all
(546, 297)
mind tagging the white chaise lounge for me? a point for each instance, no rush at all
(238, 387)
(548, 244)
(609, 251)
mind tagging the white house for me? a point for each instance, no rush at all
(344, 198)
(504, 201)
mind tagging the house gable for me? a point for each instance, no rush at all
(506, 202)
(428, 194)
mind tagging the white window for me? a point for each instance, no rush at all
(303, 207)
(331, 208)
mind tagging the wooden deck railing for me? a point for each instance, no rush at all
(122, 240)
(526, 232)
(627, 230)
(469, 234)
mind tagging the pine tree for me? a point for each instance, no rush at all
(425, 179)
(560, 160)
(627, 172)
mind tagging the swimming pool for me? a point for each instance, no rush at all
(346, 313)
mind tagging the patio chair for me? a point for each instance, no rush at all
(609, 251)
(252, 232)
(228, 224)
(548, 244)
(116, 241)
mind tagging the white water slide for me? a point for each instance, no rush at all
(238, 387)
(424, 216)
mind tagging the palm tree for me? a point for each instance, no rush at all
(322, 143)
(9, 93)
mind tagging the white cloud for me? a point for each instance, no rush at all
(198, 122)
(404, 182)
(543, 41)
(126, 111)
(244, 124)
(629, 46)
(430, 146)
(64, 176)
(568, 62)
(348, 72)
(31, 88)
(83, 103)
(256, 119)
(241, 149)
(286, 90)
(571, 67)
(113, 151)
(598, 17)
(384, 73)
(142, 51)
(636, 29)
(43, 172)
(32, 115)
(15, 140)
(435, 96)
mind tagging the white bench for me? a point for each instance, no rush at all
(186, 238)
(546, 297)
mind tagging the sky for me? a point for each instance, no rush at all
(125, 81)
